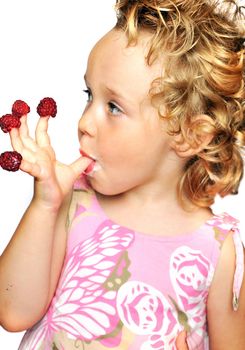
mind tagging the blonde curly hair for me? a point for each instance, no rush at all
(203, 42)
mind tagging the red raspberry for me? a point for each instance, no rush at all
(10, 160)
(20, 108)
(47, 106)
(8, 122)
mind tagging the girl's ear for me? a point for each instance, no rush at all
(197, 135)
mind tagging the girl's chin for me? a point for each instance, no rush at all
(105, 188)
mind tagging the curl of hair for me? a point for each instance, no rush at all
(203, 45)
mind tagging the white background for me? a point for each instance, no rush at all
(44, 47)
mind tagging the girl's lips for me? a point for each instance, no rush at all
(92, 166)
(84, 154)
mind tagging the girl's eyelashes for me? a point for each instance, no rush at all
(89, 95)
(114, 109)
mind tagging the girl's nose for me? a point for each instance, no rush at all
(86, 124)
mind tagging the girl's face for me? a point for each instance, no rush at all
(119, 128)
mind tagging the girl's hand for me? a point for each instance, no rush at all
(181, 343)
(53, 180)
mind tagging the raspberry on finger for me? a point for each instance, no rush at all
(47, 107)
(8, 122)
(20, 108)
(10, 160)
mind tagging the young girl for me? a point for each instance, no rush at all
(120, 249)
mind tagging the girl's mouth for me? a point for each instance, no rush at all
(92, 167)
(84, 154)
(89, 170)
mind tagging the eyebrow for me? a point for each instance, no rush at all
(118, 95)
(115, 93)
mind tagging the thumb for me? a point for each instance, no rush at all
(79, 165)
(181, 343)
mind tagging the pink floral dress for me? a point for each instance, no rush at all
(121, 289)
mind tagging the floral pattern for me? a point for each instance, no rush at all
(83, 306)
(191, 274)
(98, 301)
(145, 311)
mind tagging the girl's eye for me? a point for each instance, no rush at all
(114, 109)
(89, 95)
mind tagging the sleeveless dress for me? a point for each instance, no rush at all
(121, 289)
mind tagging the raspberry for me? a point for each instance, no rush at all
(20, 108)
(8, 122)
(47, 106)
(10, 160)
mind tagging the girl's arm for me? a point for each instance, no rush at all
(226, 326)
(31, 263)
(30, 266)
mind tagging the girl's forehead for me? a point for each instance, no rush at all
(112, 55)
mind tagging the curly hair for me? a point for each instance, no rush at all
(203, 42)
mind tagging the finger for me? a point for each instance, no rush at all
(24, 130)
(16, 141)
(20, 143)
(79, 166)
(25, 136)
(42, 137)
(181, 343)
(18, 146)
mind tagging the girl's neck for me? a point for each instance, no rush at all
(152, 213)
